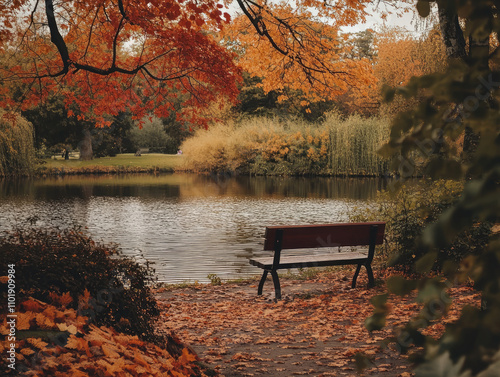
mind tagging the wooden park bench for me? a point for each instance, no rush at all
(279, 238)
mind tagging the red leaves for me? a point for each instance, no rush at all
(174, 12)
(61, 300)
(88, 349)
(33, 305)
(140, 56)
(187, 357)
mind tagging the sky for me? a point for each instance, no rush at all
(375, 21)
(409, 21)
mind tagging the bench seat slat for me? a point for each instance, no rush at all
(319, 260)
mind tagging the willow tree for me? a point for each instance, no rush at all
(17, 152)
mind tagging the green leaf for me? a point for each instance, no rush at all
(362, 361)
(377, 320)
(400, 286)
(423, 8)
(444, 169)
(386, 150)
(388, 93)
(425, 264)
(442, 366)
(433, 289)
(380, 301)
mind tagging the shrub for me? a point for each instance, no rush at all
(409, 210)
(53, 261)
(152, 135)
(104, 144)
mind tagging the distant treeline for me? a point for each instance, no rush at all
(273, 146)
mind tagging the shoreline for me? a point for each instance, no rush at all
(42, 172)
(99, 170)
(160, 164)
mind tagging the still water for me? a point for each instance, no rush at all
(188, 225)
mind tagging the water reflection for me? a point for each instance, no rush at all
(187, 186)
(189, 225)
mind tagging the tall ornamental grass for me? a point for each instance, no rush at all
(354, 143)
(272, 146)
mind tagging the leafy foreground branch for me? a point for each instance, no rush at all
(471, 343)
(83, 309)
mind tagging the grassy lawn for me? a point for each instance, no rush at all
(162, 162)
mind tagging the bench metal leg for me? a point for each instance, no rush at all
(277, 288)
(262, 281)
(355, 276)
(371, 279)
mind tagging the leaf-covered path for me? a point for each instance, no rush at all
(316, 330)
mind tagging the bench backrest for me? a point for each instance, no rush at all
(325, 235)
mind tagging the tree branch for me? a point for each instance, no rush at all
(91, 30)
(56, 37)
(260, 26)
(115, 41)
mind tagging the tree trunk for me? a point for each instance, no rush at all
(85, 146)
(477, 57)
(451, 33)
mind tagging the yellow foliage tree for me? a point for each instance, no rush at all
(295, 51)
(400, 57)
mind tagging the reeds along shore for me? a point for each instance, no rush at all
(267, 146)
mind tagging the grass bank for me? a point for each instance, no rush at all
(121, 163)
(266, 146)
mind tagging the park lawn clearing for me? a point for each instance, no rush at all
(317, 329)
(126, 162)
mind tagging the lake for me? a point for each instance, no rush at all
(188, 225)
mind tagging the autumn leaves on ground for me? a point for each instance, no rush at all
(73, 347)
(317, 329)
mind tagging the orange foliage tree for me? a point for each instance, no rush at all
(108, 56)
(400, 56)
(294, 50)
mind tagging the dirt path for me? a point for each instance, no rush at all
(316, 329)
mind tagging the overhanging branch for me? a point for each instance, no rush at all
(56, 37)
